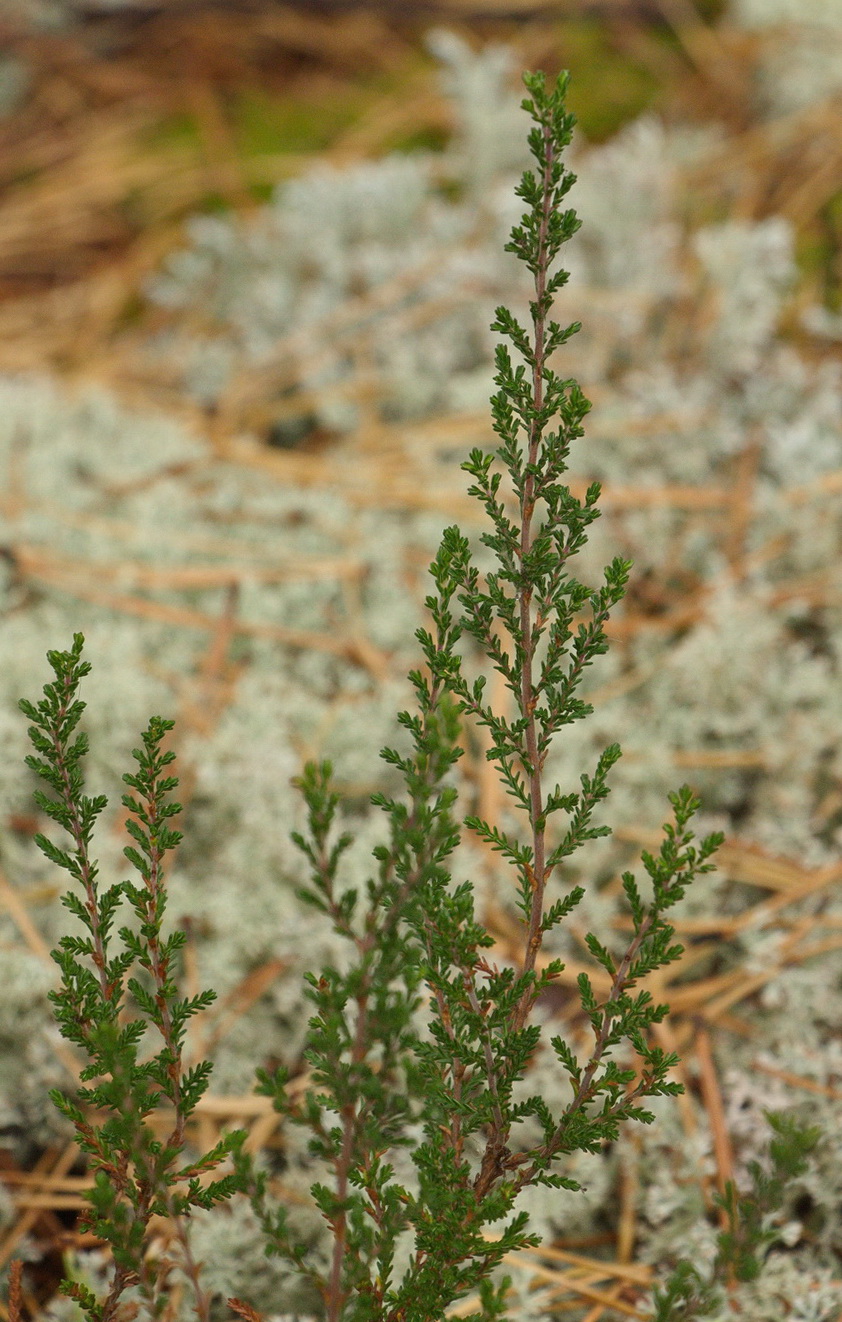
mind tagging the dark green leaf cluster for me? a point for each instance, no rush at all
(748, 1230)
(539, 628)
(106, 1012)
(687, 1294)
(359, 1040)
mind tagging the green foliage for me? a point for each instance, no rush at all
(687, 1295)
(414, 934)
(136, 1175)
(526, 617)
(266, 125)
(747, 1234)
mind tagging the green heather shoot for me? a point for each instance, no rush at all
(524, 619)
(137, 1176)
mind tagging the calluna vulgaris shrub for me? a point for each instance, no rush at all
(450, 1096)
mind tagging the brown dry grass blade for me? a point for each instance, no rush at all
(245, 1310)
(15, 1291)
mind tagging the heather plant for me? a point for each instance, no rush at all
(481, 1036)
(137, 1175)
(750, 1227)
(378, 1077)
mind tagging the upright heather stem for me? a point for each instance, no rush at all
(498, 1138)
(87, 869)
(381, 924)
(481, 1042)
(159, 962)
(544, 602)
(421, 832)
(136, 1177)
(533, 769)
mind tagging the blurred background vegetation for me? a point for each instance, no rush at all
(119, 118)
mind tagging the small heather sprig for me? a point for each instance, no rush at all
(364, 1063)
(136, 1175)
(418, 928)
(687, 1294)
(748, 1230)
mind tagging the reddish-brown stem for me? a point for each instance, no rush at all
(122, 1277)
(350, 1117)
(527, 696)
(496, 1151)
(349, 1121)
(160, 971)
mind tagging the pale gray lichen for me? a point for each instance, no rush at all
(800, 59)
(752, 268)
